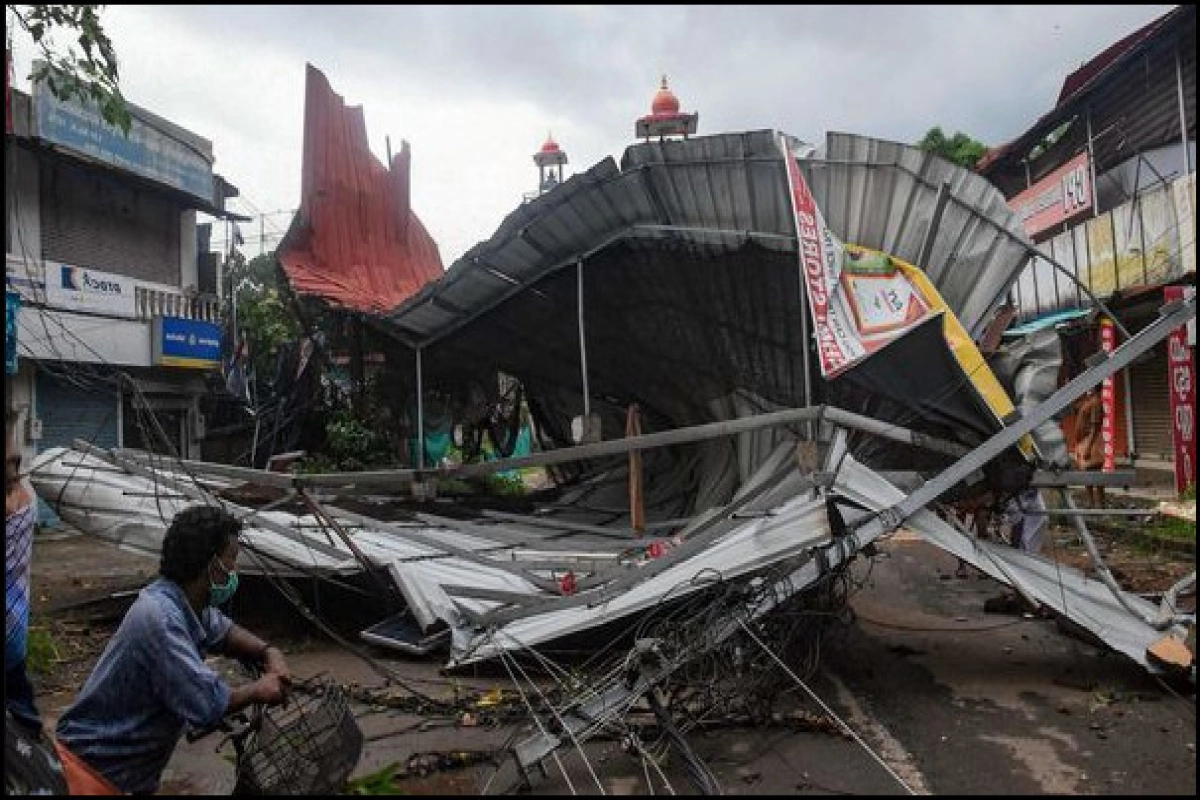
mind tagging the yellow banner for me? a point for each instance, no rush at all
(960, 342)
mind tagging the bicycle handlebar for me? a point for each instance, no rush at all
(244, 723)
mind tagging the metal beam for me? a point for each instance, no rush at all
(614, 447)
(697, 541)
(1045, 479)
(204, 496)
(420, 416)
(258, 477)
(453, 550)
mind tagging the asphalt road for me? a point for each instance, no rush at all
(942, 697)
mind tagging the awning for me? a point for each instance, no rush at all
(1046, 321)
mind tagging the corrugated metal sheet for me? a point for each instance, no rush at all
(91, 218)
(691, 279)
(723, 191)
(70, 410)
(1152, 424)
(355, 242)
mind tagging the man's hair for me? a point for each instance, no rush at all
(195, 536)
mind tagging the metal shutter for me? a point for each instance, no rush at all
(69, 410)
(1151, 407)
(89, 219)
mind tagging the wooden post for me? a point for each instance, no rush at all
(637, 506)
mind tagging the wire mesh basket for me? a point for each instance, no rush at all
(308, 746)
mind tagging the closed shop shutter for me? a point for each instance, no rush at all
(89, 219)
(1151, 407)
(69, 410)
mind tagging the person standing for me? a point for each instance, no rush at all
(151, 681)
(1088, 452)
(20, 512)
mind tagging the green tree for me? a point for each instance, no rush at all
(84, 65)
(262, 309)
(959, 148)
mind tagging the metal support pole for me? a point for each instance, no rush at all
(1187, 153)
(1091, 150)
(420, 417)
(587, 406)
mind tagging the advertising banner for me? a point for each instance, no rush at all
(150, 149)
(84, 289)
(1181, 383)
(1108, 398)
(859, 300)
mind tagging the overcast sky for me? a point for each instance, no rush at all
(476, 90)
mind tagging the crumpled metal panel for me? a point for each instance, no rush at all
(1085, 601)
(874, 193)
(884, 195)
(355, 242)
(796, 526)
(1029, 368)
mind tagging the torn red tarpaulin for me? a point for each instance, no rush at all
(355, 242)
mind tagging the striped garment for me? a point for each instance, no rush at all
(18, 557)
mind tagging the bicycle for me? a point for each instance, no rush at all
(308, 745)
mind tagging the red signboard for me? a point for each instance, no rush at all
(1059, 197)
(1108, 398)
(1181, 383)
(856, 309)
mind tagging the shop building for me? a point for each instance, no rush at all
(1105, 183)
(111, 293)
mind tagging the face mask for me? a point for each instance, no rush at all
(220, 594)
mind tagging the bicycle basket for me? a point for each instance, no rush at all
(309, 746)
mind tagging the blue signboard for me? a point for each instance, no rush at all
(148, 150)
(191, 343)
(12, 304)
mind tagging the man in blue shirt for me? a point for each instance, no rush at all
(152, 680)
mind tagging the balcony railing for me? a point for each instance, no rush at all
(150, 299)
(151, 302)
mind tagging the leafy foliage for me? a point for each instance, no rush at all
(380, 782)
(351, 444)
(959, 148)
(87, 67)
(262, 309)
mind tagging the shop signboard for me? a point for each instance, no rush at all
(1181, 383)
(1108, 398)
(192, 343)
(86, 289)
(1062, 196)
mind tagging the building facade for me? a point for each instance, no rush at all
(113, 302)
(1105, 183)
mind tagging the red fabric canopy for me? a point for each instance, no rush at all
(355, 241)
